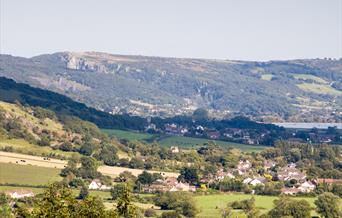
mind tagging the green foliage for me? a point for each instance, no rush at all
(147, 178)
(189, 174)
(328, 205)
(42, 113)
(117, 190)
(125, 207)
(5, 209)
(84, 192)
(286, 206)
(182, 202)
(58, 201)
(108, 155)
(88, 169)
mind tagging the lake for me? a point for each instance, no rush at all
(309, 125)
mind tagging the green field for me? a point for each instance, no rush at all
(310, 77)
(27, 175)
(319, 89)
(267, 77)
(24, 147)
(185, 142)
(210, 204)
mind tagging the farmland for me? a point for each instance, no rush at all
(11, 173)
(210, 204)
(34, 161)
(182, 141)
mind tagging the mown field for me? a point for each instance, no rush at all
(11, 173)
(210, 204)
(185, 142)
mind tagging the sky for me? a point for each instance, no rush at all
(215, 29)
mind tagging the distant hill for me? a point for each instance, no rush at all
(294, 90)
(12, 92)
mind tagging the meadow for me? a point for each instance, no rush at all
(210, 205)
(182, 141)
(11, 173)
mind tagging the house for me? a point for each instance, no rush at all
(243, 167)
(290, 191)
(97, 185)
(255, 181)
(291, 173)
(247, 180)
(258, 181)
(306, 187)
(174, 149)
(268, 164)
(214, 135)
(17, 194)
(182, 187)
(220, 175)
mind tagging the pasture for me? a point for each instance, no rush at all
(12, 173)
(182, 141)
(210, 205)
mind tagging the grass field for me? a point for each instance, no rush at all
(319, 89)
(22, 146)
(267, 77)
(310, 77)
(210, 204)
(185, 142)
(12, 173)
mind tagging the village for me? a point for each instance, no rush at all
(296, 182)
(248, 135)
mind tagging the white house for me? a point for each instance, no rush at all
(97, 185)
(247, 180)
(258, 181)
(307, 187)
(19, 194)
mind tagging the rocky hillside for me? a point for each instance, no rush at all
(296, 90)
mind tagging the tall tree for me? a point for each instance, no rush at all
(328, 205)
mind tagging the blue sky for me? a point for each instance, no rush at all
(239, 29)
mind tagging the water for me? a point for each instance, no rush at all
(309, 125)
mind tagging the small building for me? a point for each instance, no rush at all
(17, 194)
(290, 191)
(174, 149)
(97, 185)
(307, 187)
(258, 181)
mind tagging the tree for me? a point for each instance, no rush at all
(108, 155)
(125, 207)
(84, 192)
(286, 206)
(200, 114)
(189, 174)
(226, 212)
(182, 202)
(58, 201)
(328, 205)
(117, 190)
(5, 209)
(145, 178)
(88, 169)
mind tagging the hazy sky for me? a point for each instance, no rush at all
(227, 29)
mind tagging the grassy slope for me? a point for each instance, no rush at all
(27, 175)
(24, 147)
(210, 204)
(177, 140)
(319, 89)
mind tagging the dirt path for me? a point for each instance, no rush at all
(23, 159)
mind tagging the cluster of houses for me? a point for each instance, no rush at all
(229, 134)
